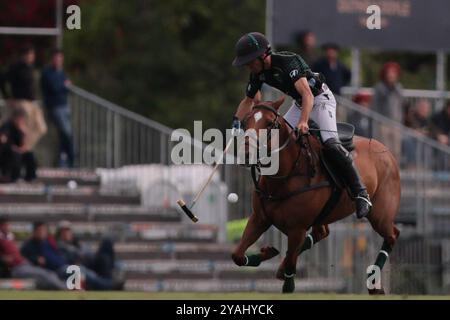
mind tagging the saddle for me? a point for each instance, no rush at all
(346, 131)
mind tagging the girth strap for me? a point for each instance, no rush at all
(269, 197)
(329, 206)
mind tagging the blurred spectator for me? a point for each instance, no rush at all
(307, 46)
(336, 73)
(440, 125)
(20, 77)
(362, 123)
(13, 155)
(16, 266)
(388, 101)
(417, 118)
(102, 261)
(41, 250)
(54, 89)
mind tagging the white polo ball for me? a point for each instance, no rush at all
(72, 184)
(233, 197)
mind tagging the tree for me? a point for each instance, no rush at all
(168, 60)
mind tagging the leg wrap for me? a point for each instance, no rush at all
(253, 260)
(308, 244)
(383, 255)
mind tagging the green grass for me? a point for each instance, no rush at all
(80, 295)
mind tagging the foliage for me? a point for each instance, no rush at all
(169, 60)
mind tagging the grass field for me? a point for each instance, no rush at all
(80, 295)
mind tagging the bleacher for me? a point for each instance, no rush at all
(156, 249)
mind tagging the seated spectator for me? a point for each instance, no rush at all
(102, 261)
(417, 118)
(362, 123)
(16, 266)
(54, 89)
(13, 155)
(440, 125)
(41, 250)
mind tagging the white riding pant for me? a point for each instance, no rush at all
(323, 113)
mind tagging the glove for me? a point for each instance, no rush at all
(236, 127)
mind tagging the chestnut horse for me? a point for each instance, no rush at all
(292, 199)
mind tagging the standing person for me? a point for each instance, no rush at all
(54, 85)
(313, 100)
(20, 77)
(362, 123)
(307, 46)
(388, 101)
(13, 154)
(335, 72)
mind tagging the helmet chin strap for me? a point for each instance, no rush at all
(262, 58)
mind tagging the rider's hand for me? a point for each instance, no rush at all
(236, 127)
(303, 127)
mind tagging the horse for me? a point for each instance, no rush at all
(293, 199)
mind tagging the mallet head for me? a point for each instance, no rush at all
(186, 210)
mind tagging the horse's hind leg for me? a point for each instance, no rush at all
(383, 255)
(386, 205)
(318, 233)
(255, 227)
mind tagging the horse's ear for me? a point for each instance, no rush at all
(277, 104)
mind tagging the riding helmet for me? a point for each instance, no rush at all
(249, 47)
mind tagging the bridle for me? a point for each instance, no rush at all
(275, 124)
(302, 139)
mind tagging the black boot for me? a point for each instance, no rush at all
(343, 161)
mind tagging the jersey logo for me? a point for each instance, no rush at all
(249, 87)
(293, 73)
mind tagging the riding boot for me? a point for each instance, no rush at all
(343, 161)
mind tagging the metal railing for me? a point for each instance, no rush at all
(109, 136)
(411, 96)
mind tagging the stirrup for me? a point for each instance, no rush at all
(365, 199)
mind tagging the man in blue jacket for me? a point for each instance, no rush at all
(54, 89)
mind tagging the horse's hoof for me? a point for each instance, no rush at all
(289, 285)
(238, 260)
(376, 291)
(268, 253)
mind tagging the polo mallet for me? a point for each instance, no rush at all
(183, 205)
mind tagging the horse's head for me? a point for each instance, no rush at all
(264, 115)
(259, 124)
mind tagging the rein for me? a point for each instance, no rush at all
(304, 145)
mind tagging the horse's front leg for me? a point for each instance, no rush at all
(295, 240)
(317, 234)
(255, 227)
